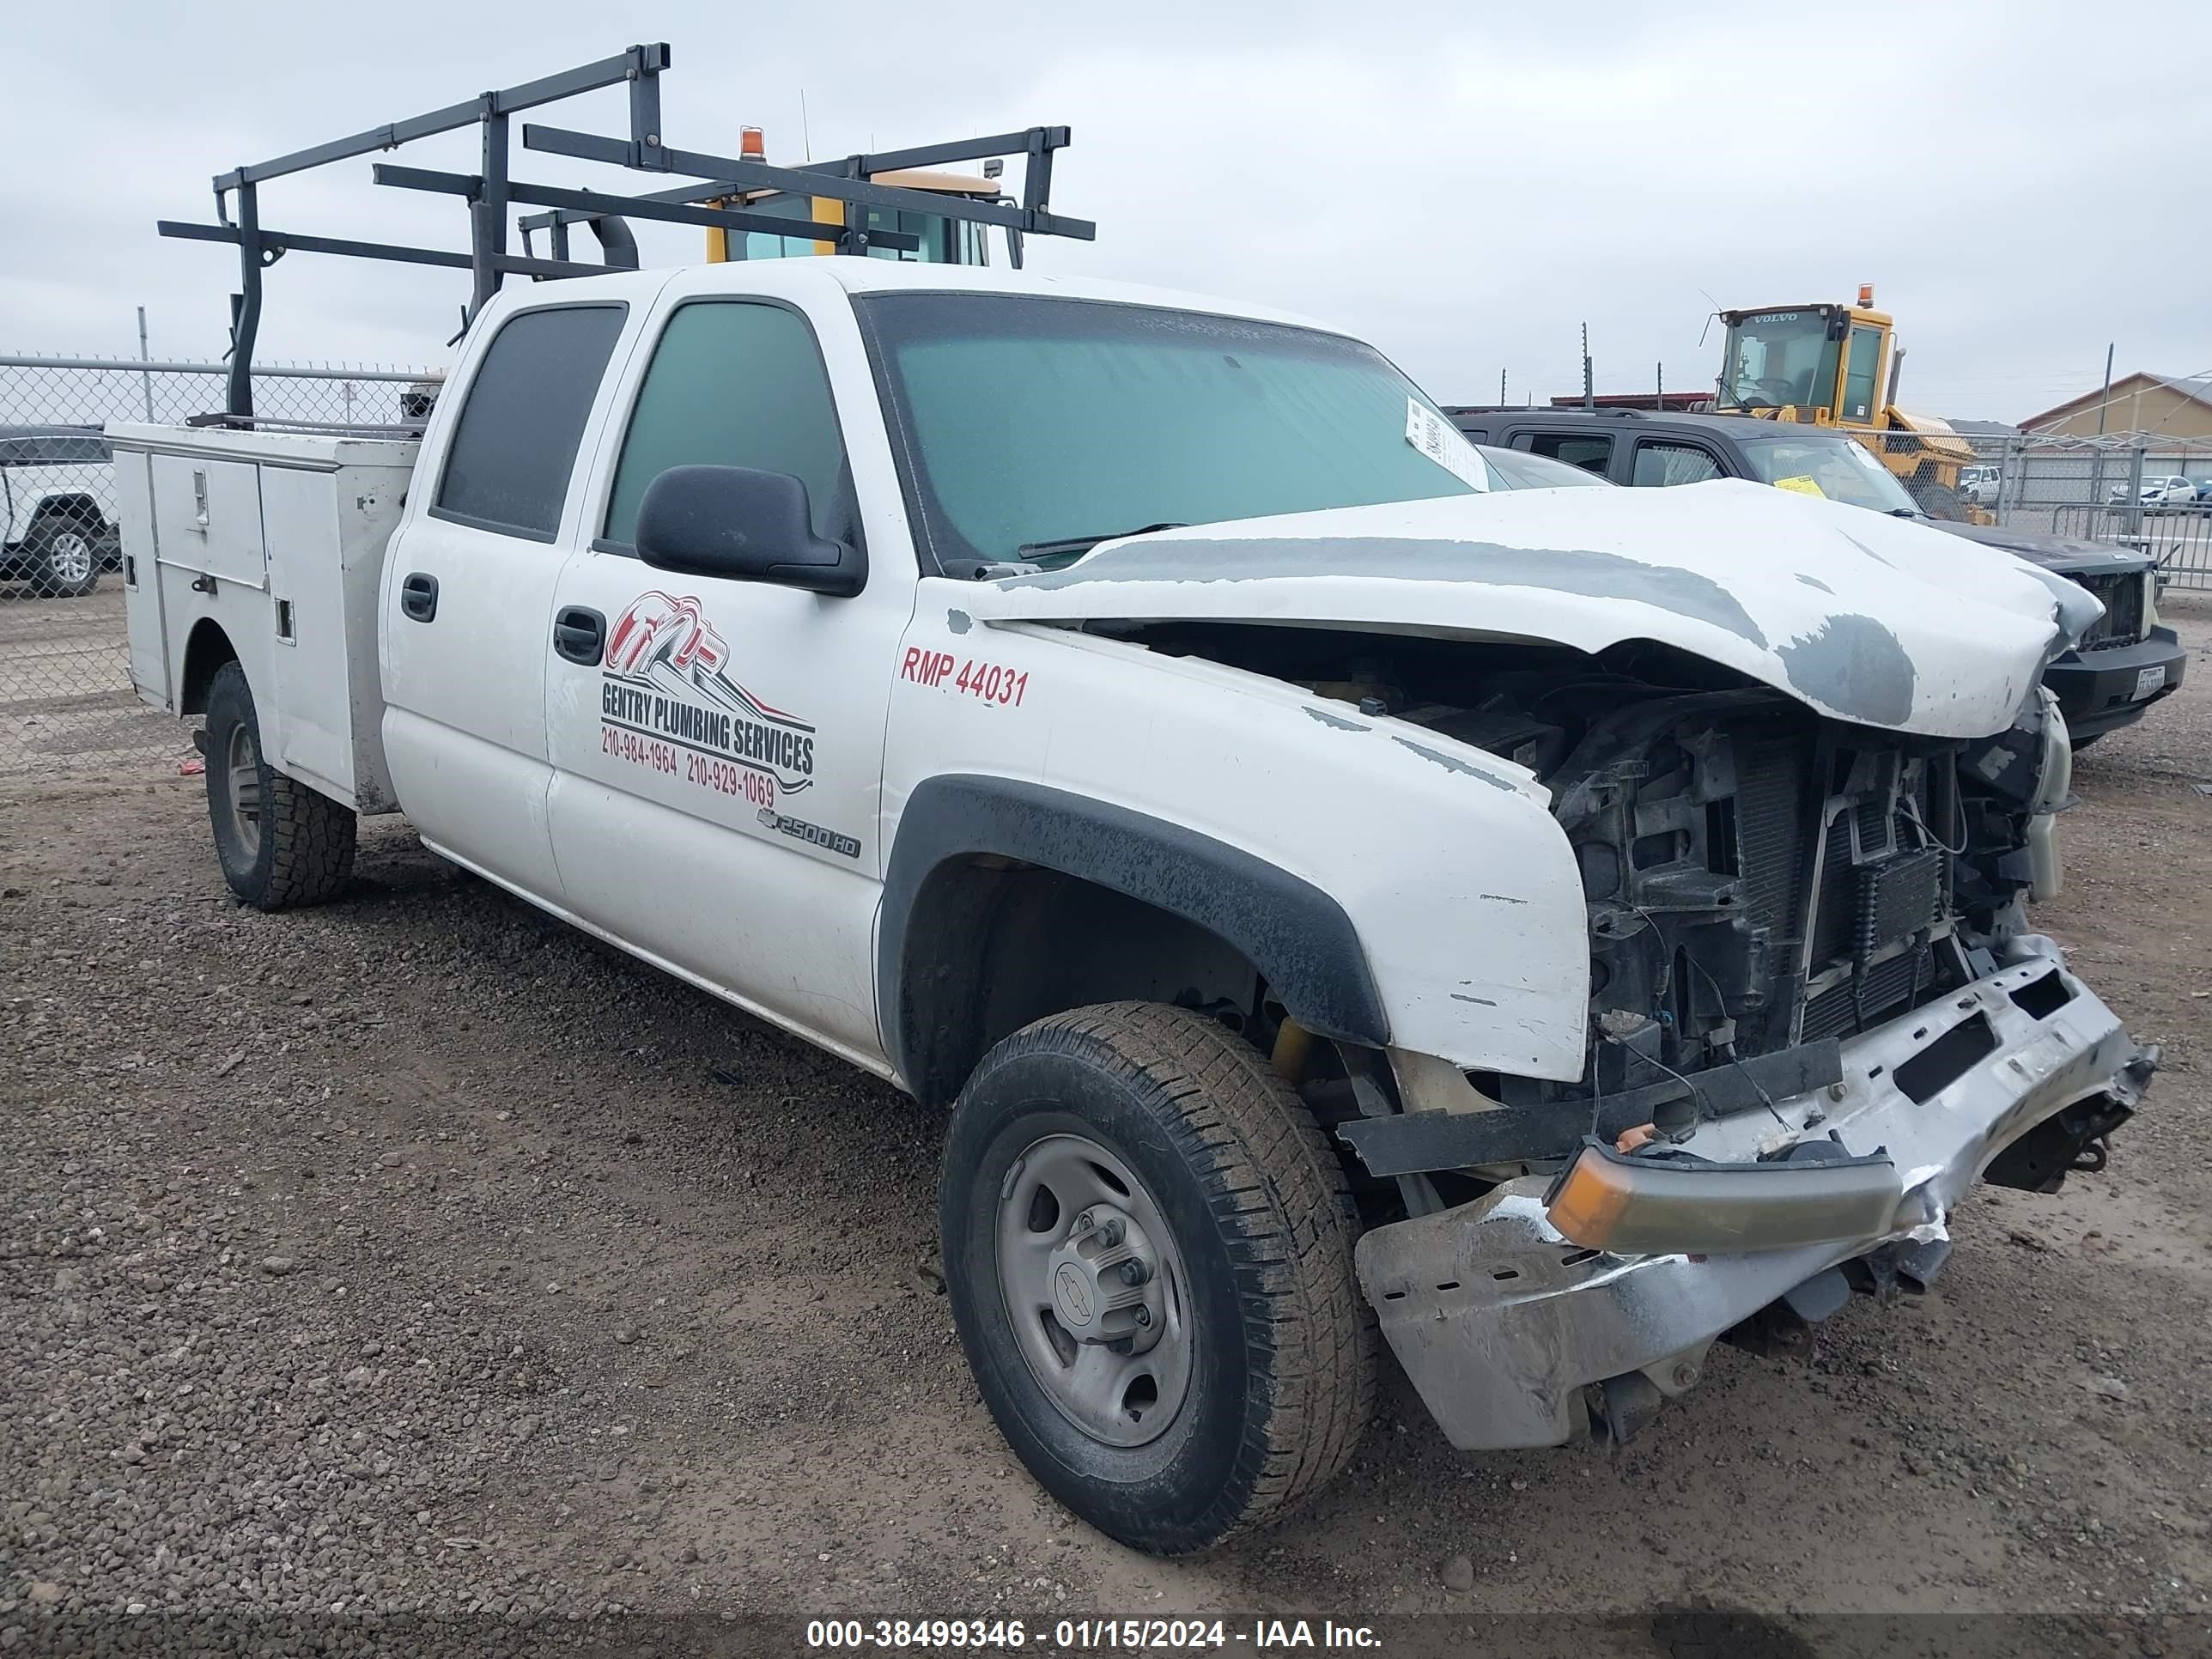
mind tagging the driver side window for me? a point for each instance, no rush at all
(735, 383)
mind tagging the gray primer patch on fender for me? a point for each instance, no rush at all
(1856, 666)
(1453, 764)
(1337, 721)
(959, 621)
(1261, 558)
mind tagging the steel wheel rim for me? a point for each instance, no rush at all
(70, 558)
(242, 789)
(1124, 1393)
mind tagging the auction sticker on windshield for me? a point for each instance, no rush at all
(1803, 485)
(1440, 441)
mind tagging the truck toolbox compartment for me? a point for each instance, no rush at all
(209, 517)
(277, 539)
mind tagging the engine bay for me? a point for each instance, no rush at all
(1757, 878)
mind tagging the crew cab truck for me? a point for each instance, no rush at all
(1553, 929)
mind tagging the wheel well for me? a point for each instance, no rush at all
(79, 509)
(208, 649)
(992, 944)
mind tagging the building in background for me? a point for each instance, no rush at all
(2137, 403)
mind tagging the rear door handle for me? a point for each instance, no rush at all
(580, 634)
(418, 596)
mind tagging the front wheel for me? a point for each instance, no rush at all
(68, 563)
(280, 843)
(1148, 1249)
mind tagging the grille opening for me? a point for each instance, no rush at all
(1723, 855)
(1945, 1061)
(2040, 998)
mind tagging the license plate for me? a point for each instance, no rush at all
(2148, 680)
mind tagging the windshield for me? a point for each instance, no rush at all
(1028, 421)
(1841, 469)
(1776, 359)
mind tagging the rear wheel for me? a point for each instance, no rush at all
(68, 563)
(280, 843)
(1148, 1249)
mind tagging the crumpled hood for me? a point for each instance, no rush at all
(1863, 617)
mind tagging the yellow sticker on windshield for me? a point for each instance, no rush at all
(1803, 485)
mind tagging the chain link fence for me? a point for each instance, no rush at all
(2147, 491)
(66, 701)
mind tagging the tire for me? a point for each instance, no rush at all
(1261, 1379)
(280, 844)
(67, 555)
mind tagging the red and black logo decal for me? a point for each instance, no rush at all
(667, 678)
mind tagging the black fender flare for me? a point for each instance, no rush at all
(1298, 936)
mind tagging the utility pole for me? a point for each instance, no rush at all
(1659, 381)
(2104, 397)
(1501, 388)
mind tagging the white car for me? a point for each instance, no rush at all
(1980, 485)
(55, 535)
(2162, 490)
(1134, 725)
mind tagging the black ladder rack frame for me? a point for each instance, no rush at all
(490, 193)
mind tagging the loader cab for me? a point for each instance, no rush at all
(939, 239)
(1819, 363)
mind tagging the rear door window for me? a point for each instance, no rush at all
(514, 445)
(1592, 451)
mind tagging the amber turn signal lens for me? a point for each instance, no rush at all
(1589, 1201)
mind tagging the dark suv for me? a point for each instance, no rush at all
(2123, 665)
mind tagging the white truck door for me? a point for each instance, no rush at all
(718, 755)
(467, 599)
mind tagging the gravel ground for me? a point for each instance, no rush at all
(416, 1274)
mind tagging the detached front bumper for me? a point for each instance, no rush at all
(1502, 1322)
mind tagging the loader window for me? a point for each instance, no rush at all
(1860, 373)
(515, 444)
(1778, 359)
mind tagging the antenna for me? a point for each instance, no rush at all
(1590, 393)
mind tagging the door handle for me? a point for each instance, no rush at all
(418, 596)
(580, 634)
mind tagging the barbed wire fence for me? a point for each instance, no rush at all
(66, 698)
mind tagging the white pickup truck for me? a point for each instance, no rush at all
(1559, 928)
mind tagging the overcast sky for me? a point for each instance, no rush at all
(1465, 184)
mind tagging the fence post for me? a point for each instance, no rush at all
(2134, 516)
(145, 379)
(2007, 464)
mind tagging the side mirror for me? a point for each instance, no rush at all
(749, 525)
